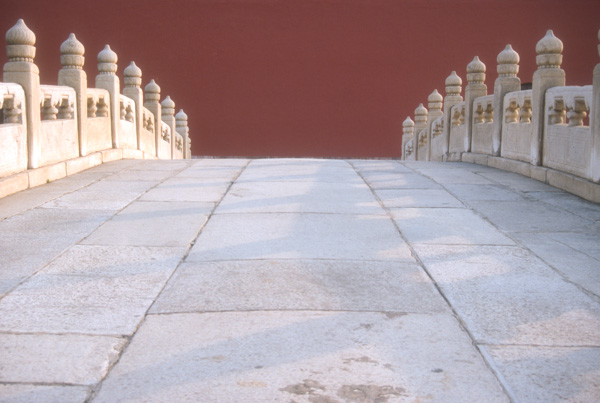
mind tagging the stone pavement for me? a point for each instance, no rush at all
(227, 280)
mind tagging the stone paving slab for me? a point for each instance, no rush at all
(149, 223)
(72, 224)
(561, 316)
(504, 267)
(469, 279)
(574, 264)
(90, 289)
(299, 197)
(35, 197)
(391, 180)
(21, 256)
(417, 198)
(102, 195)
(529, 216)
(549, 374)
(114, 166)
(314, 171)
(518, 182)
(77, 304)
(468, 192)
(300, 356)
(200, 173)
(149, 175)
(330, 285)
(379, 166)
(161, 165)
(447, 226)
(299, 236)
(507, 295)
(444, 176)
(569, 202)
(188, 189)
(220, 162)
(33, 358)
(21, 393)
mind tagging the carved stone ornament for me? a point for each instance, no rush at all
(508, 62)
(435, 100)
(549, 51)
(476, 71)
(152, 91)
(168, 106)
(453, 84)
(107, 61)
(133, 76)
(20, 42)
(71, 53)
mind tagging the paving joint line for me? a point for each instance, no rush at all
(518, 243)
(128, 339)
(66, 249)
(501, 381)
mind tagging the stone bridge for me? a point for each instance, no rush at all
(296, 280)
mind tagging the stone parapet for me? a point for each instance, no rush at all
(550, 132)
(46, 130)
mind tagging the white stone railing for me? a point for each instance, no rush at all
(13, 129)
(165, 139)
(550, 132)
(57, 102)
(457, 130)
(483, 119)
(50, 131)
(568, 139)
(58, 129)
(97, 103)
(517, 128)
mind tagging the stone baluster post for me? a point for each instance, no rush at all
(133, 81)
(475, 88)
(548, 75)
(595, 122)
(21, 69)
(453, 97)
(152, 97)
(507, 81)
(434, 104)
(420, 124)
(168, 116)
(108, 80)
(408, 133)
(72, 75)
(182, 128)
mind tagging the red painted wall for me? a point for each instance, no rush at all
(321, 78)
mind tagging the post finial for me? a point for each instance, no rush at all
(435, 100)
(152, 91)
(71, 53)
(549, 51)
(453, 84)
(20, 43)
(107, 61)
(168, 106)
(408, 126)
(133, 76)
(476, 71)
(508, 62)
(182, 118)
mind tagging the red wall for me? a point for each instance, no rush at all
(322, 78)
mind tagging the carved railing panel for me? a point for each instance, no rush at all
(483, 119)
(517, 128)
(567, 135)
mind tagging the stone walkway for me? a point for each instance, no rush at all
(298, 281)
